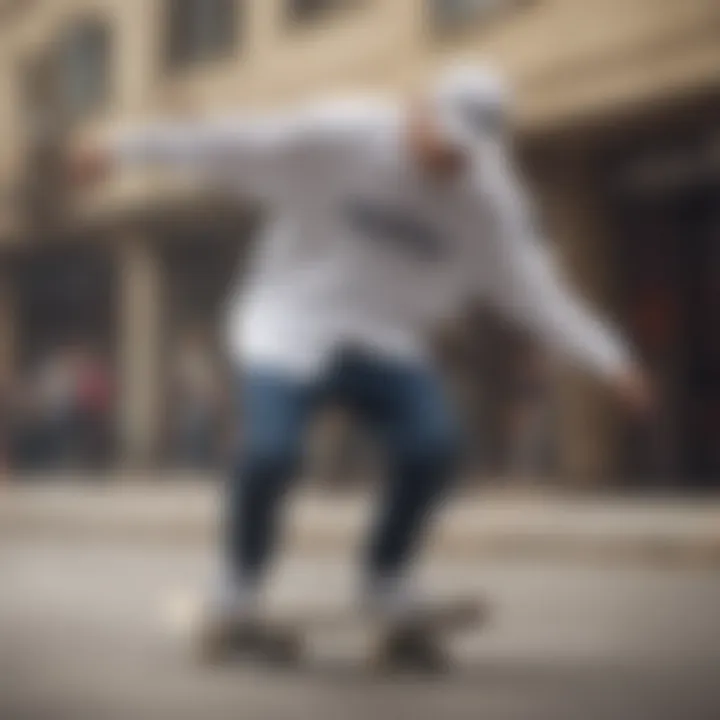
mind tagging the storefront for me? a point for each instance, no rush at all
(664, 196)
(62, 388)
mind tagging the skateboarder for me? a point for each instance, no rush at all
(382, 219)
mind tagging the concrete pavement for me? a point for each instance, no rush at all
(493, 523)
(84, 636)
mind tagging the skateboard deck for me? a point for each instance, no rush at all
(417, 641)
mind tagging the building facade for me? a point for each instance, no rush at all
(605, 89)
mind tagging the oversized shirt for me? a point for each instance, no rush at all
(361, 247)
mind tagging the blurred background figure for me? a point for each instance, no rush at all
(53, 421)
(94, 408)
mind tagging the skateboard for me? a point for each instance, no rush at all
(417, 642)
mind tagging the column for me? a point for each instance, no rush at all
(139, 350)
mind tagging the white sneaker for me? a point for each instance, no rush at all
(230, 619)
(234, 600)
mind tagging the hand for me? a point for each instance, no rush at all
(634, 390)
(88, 164)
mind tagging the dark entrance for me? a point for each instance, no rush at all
(64, 389)
(66, 296)
(667, 207)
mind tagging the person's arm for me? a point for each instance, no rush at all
(526, 286)
(257, 154)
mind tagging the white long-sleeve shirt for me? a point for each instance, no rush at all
(360, 247)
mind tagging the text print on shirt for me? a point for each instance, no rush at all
(394, 225)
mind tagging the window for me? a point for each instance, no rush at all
(60, 85)
(200, 30)
(449, 15)
(83, 68)
(308, 11)
(39, 95)
(68, 79)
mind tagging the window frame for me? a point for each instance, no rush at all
(70, 40)
(314, 18)
(197, 52)
(484, 14)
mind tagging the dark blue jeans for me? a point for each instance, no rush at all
(401, 404)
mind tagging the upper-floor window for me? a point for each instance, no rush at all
(200, 30)
(84, 67)
(38, 95)
(67, 79)
(302, 12)
(450, 15)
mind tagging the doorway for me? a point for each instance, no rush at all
(667, 255)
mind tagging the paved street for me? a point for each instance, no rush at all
(93, 629)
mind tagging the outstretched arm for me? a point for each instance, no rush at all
(526, 285)
(254, 152)
(258, 154)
